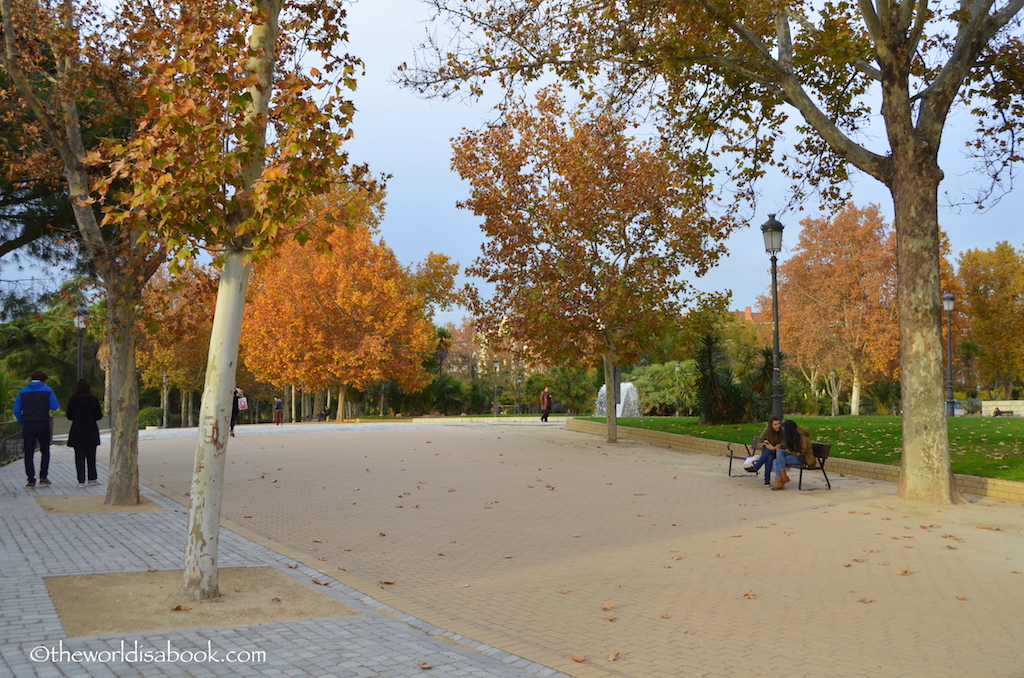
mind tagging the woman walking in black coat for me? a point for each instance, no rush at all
(84, 411)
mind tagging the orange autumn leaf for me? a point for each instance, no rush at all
(749, 595)
(577, 657)
(613, 656)
(609, 619)
(960, 598)
(180, 608)
(608, 605)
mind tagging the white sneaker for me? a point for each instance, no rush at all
(95, 482)
(81, 484)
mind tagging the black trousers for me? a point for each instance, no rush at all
(33, 432)
(85, 457)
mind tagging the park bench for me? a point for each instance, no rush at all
(1002, 413)
(821, 451)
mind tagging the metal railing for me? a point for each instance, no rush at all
(11, 445)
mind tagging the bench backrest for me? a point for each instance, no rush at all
(821, 451)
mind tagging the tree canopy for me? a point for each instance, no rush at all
(590, 234)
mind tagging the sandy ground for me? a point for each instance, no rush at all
(137, 602)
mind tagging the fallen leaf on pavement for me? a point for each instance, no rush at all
(577, 657)
(564, 591)
(749, 595)
(719, 555)
(292, 567)
(609, 605)
(275, 600)
(903, 572)
(180, 608)
(864, 600)
(425, 666)
(986, 527)
(318, 541)
(613, 656)
(386, 582)
(666, 616)
(321, 583)
(960, 598)
(689, 633)
(609, 619)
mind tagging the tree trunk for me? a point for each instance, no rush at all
(123, 475)
(318, 403)
(183, 407)
(191, 408)
(341, 402)
(835, 386)
(202, 539)
(927, 474)
(855, 396)
(609, 397)
(288, 400)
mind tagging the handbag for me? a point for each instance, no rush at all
(243, 404)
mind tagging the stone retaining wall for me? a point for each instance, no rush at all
(986, 487)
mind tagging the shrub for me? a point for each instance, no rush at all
(150, 416)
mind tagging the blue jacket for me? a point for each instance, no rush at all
(34, 402)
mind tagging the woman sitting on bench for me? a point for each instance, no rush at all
(771, 440)
(796, 450)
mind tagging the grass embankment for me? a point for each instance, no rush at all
(986, 447)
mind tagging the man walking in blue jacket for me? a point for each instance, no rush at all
(32, 409)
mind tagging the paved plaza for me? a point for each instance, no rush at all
(519, 550)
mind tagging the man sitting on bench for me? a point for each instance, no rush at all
(796, 451)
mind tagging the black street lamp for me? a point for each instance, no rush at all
(495, 363)
(772, 232)
(165, 400)
(519, 391)
(947, 305)
(81, 322)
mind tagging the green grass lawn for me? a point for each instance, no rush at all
(987, 447)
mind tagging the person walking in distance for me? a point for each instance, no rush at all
(545, 403)
(32, 408)
(278, 411)
(84, 411)
(236, 394)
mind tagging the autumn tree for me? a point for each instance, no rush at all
(69, 79)
(347, 313)
(992, 299)
(236, 137)
(589, 234)
(872, 82)
(837, 292)
(176, 319)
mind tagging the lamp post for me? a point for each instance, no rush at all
(165, 401)
(81, 322)
(677, 389)
(947, 304)
(495, 364)
(772, 232)
(519, 391)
